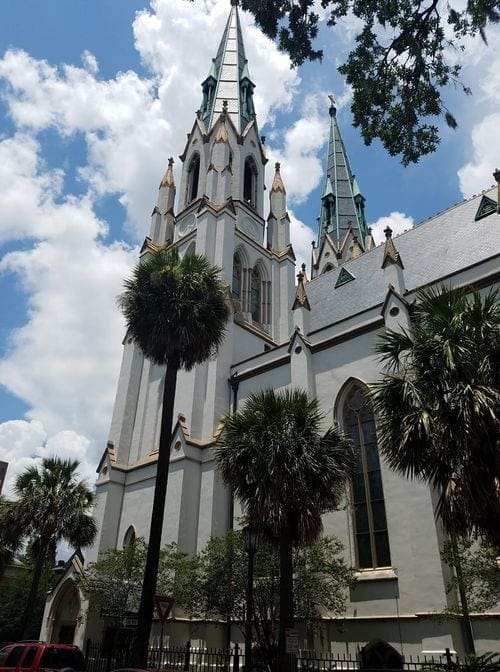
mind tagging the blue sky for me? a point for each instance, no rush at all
(95, 95)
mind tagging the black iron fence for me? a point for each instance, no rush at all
(191, 659)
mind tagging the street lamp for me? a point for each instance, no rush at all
(250, 541)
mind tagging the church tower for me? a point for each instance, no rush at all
(343, 233)
(218, 211)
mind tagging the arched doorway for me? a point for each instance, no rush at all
(65, 613)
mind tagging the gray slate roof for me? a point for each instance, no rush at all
(438, 247)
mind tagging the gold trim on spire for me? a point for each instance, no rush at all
(278, 182)
(168, 178)
(390, 252)
(301, 300)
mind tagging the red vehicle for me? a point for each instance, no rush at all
(41, 657)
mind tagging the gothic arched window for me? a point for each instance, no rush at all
(255, 296)
(193, 179)
(370, 523)
(236, 284)
(250, 182)
(129, 537)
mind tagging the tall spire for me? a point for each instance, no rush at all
(342, 204)
(229, 79)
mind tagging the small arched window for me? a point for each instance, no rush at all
(255, 296)
(129, 537)
(250, 182)
(370, 523)
(193, 179)
(236, 284)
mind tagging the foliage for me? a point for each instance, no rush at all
(479, 573)
(321, 583)
(281, 466)
(175, 308)
(287, 473)
(439, 405)
(14, 591)
(10, 533)
(487, 662)
(52, 506)
(114, 582)
(404, 56)
(176, 311)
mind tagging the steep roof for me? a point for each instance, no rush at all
(436, 249)
(229, 79)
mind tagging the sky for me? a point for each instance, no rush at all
(95, 95)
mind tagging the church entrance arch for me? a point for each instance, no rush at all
(379, 655)
(65, 614)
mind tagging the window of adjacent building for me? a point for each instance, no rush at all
(370, 523)
(255, 295)
(236, 284)
(193, 178)
(250, 182)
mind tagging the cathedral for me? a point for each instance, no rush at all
(310, 328)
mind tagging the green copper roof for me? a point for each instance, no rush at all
(342, 204)
(229, 79)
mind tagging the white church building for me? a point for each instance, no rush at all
(313, 329)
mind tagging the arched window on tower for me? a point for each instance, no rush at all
(193, 179)
(129, 537)
(370, 523)
(236, 284)
(256, 296)
(250, 182)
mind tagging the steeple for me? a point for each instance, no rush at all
(229, 79)
(342, 204)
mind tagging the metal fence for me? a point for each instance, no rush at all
(190, 659)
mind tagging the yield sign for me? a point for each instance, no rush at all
(163, 604)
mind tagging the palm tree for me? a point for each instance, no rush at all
(439, 405)
(52, 506)
(10, 533)
(175, 311)
(286, 472)
(439, 410)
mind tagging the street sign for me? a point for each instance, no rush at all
(163, 604)
(131, 620)
(292, 640)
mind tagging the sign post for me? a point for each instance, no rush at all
(164, 605)
(292, 640)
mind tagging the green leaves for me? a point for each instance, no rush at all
(175, 308)
(281, 466)
(398, 67)
(439, 405)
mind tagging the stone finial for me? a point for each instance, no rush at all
(391, 255)
(277, 181)
(301, 300)
(357, 250)
(496, 175)
(168, 178)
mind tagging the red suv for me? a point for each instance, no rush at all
(41, 657)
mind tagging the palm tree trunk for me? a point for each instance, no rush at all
(31, 600)
(468, 633)
(286, 596)
(157, 514)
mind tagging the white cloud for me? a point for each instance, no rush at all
(482, 68)
(300, 154)
(302, 237)
(63, 361)
(397, 221)
(24, 444)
